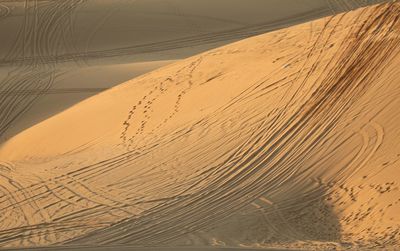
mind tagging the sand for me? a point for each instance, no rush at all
(42, 40)
(284, 140)
(259, 143)
(130, 248)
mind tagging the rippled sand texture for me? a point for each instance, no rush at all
(288, 139)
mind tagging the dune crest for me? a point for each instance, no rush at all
(288, 139)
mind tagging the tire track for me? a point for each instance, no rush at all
(51, 91)
(190, 41)
(41, 34)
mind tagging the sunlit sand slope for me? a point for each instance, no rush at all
(288, 139)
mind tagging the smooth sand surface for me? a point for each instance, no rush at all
(284, 140)
(38, 37)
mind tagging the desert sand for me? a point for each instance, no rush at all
(284, 140)
(43, 40)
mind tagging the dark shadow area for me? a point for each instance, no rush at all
(304, 216)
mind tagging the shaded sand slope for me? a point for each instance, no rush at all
(288, 139)
(53, 31)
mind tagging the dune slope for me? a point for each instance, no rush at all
(42, 41)
(288, 139)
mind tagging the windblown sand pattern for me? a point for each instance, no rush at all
(288, 139)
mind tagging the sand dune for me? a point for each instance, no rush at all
(40, 36)
(288, 139)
